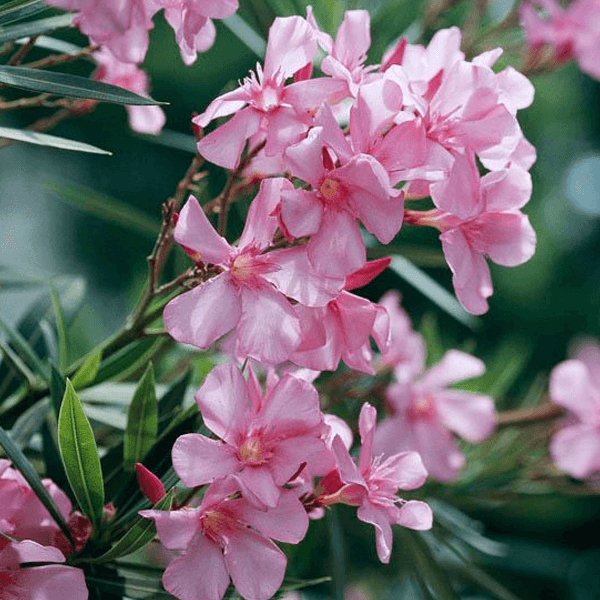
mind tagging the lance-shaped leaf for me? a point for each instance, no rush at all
(43, 139)
(72, 86)
(57, 389)
(139, 533)
(20, 461)
(80, 456)
(142, 420)
(23, 349)
(32, 28)
(61, 329)
(30, 422)
(87, 371)
(171, 402)
(20, 9)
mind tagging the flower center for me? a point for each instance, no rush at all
(423, 407)
(216, 523)
(251, 451)
(243, 267)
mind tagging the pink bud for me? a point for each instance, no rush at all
(149, 483)
(367, 273)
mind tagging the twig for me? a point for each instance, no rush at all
(22, 52)
(520, 416)
(31, 102)
(59, 59)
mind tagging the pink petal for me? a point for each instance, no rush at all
(471, 416)
(285, 127)
(349, 473)
(367, 273)
(261, 224)
(357, 318)
(194, 231)
(199, 572)
(306, 96)
(52, 583)
(258, 486)
(506, 190)
(572, 387)
(269, 329)
(223, 106)
(146, 119)
(224, 145)
(176, 528)
(454, 366)
(287, 522)
(199, 460)
(290, 454)
(301, 212)
(441, 457)
(223, 401)
(29, 551)
(305, 159)
(516, 90)
(202, 315)
(576, 450)
(406, 470)
(337, 249)
(415, 515)
(509, 238)
(256, 565)
(383, 531)
(366, 428)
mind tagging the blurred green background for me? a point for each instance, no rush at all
(540, 306)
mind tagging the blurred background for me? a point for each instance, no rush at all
(547, 544)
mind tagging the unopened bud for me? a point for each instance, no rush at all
(149, 483)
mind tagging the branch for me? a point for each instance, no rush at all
(523, 416)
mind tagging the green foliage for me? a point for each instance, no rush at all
(142, 421)
(80, 456)
(20, 9)
(87, 372)
(32, 28)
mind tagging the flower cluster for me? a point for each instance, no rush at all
(28, 534)
(120, 28)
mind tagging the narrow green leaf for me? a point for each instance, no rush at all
(23, 349)
(87, 371)
(17, 364)
(80, 456)
(433, 340)
(250, 38)
(57, 388)
(30, 422)
(139, 533)
(107, 208)
(50, 341)
(172, 400)
(52, 141)
(142, 420)
(430, 288)
(72, 86)
(20, 461)
(32, 28)
(20, 9)
(61, 330)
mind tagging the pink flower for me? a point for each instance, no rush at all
(121, 26)
(357, 187)
(572, 32)
(495, 228)
(191, 21)
(248, 294)
(264, 440)
(142, 119)
(576, 447)
(425, 412)
(372, 486)
(406, 351)
(227, 537)
(264, 105)
(48, 582)
(22, 515)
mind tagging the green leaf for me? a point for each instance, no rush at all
(107, 208)
(430, 288)
(250, 38)
(80, 456)
(20, 9)
(61, 329)
(430, 331)
(87, 372)
(57, 388)
(30, 422)
(17, 364)
(172, 400)
(139, 533)
(71, 86)
(43, 139)
(24, 466)
(32, 28)
(23, 349)
(142, 420)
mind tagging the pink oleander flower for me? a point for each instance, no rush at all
(191, 21)
(424, 413)
(142, 119)
(342, 329)
(264, 107)
(226, 537)
(573, 32)
(374, 483)
(406, 350)
(263, 440)
(575, 386)
(249, 294)
(121, 26)
(495, 228)
(22, 515)
(355, 187)
(52, 581)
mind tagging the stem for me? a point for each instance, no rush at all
(32, 102)
(521, 416)
(22, 52)
(59, 59)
